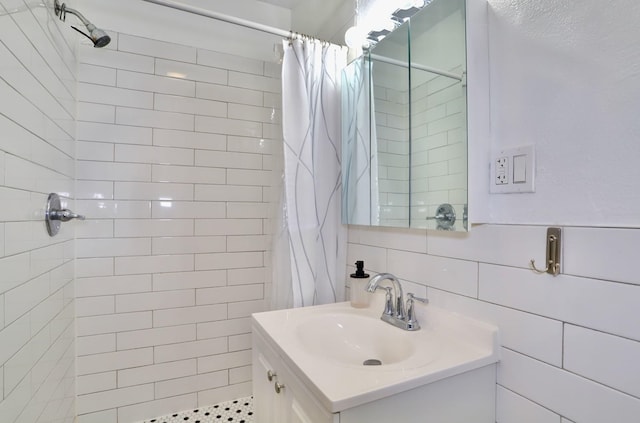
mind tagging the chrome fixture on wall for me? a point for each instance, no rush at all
(54, 215)
(98, 37)
(445, 217)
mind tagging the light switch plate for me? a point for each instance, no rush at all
(517, 175)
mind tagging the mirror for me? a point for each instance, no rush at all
(404, 125)
(389, 62)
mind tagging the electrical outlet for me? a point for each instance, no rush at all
(502, 170)
(513, 170)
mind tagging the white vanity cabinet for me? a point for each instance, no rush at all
(279, 396)
(306, 371)
(465, 398)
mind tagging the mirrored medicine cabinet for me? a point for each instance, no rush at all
(405, 130)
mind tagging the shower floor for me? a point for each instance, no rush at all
(236, 411)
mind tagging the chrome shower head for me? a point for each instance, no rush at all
(98, 37)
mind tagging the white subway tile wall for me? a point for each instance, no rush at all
(392, 134)
(37, 128)
(569, 343)
(439, 146)
(173, 173)
(437, 162)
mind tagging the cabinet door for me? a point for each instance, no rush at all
(263, 401)
(293, 403)
(268, 406)
(300, 405)
(297, 413)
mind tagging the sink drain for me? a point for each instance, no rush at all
(372, 362)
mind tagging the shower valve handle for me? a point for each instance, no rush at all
(64, 215)
(55, 215)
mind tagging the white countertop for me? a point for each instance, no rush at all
(447, 344)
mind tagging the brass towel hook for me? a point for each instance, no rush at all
(554, 236)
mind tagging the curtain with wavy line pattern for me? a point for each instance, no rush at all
(360, 193)
(311, 233)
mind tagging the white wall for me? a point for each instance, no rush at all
(570, 343)
(37, 127)
(563, 77)
(165, 24)
(327, 19)
(174, 158)
(566, 81)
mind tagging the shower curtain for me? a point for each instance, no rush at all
(310, 242)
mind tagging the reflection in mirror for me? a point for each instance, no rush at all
(359, 185)
(404, 125)
(438, 115)
(390, 132)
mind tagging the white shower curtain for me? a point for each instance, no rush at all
(310, 234)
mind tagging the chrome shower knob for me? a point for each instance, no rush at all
(64, 215)
(54, 215)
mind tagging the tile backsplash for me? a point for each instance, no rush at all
(174, 148)
(568, 342)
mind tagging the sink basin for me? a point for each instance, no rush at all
(327, 347)
(351, 339)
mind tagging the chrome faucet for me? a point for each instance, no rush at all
(397, 307)
(394, 311)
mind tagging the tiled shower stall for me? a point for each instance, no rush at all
(174, 166)
(37, 150)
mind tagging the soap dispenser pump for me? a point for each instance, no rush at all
(359, 280)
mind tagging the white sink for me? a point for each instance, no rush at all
(350, 338)
(327, 346)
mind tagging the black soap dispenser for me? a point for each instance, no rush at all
(359, 280)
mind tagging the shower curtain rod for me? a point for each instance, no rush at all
(396, 62)
(225, 18)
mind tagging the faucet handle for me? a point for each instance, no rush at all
(411, 297)
(411, 315)
(388, 301)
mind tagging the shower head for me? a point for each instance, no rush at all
(98, 37)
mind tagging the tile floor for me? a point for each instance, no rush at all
(236, 411)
